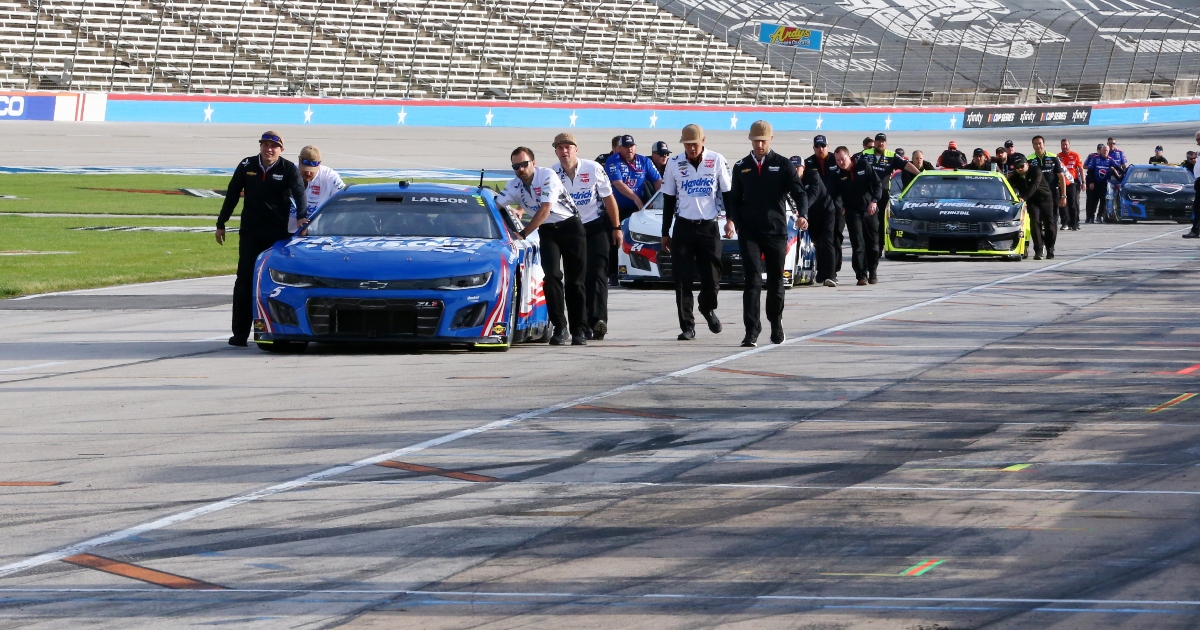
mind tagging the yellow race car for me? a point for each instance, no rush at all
(957, 213)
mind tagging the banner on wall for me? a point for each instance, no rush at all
(26, 107)
(985, 117)
(791, 36)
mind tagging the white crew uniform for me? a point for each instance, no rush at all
(325, 185)
(588, 190)
(562, 244)
(692, 207)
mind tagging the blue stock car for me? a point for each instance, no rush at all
(1149, 192)
(401, 263)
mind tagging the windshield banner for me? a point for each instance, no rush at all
(792, 36)
(981, 117)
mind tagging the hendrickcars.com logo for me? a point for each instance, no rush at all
(982, 117)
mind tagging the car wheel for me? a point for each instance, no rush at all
(283, 347)
(1013, 258)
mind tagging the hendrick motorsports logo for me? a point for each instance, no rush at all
(980, 117)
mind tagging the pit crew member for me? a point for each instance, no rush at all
(1028, 182)
(827, 240)
(1073, 170)
(1055, 176)
(320, 181)
(858, 188)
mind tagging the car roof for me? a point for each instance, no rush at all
(1157, 167)
(392, 187)
(957, 173)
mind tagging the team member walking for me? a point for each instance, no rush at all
(952, 158)
(320, 181)
(858, 188)
(885, 164)
(1158, 157)
(979, 161)
(1072, 165)
(272, 187)
(757, 208)
(587, 184)
(1027, 179)
(827, 239)
(539, 192)
(919, 161)
(1055, 176)
(694, 179)
(659, 156)
(1116, 154)
(1101, 169)
(634, 180)
(1195, 233)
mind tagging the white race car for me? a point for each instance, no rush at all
(641, 259)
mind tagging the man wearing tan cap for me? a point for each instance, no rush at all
(588, 185)
(693, 181)
(272, 187)
(758, 205)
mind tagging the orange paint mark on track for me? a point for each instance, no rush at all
(430, 470)
(135, 572)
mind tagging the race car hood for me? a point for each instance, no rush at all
(387, 258)
(955, 209)
(1156, 190)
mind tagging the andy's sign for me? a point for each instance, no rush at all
(793, 36)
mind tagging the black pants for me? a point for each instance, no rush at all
(864, 245)
(1043, 222)
(1095, 201)
(695, 253)
(595, 282)
(1072, 220)
(881, 213)
(839, 239)
(758, 249)
(564, 252)
(1196, 210)
(820, 230)
(250, 244)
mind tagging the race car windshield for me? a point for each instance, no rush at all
(1157, 176)
(405, 215)
(966, 187)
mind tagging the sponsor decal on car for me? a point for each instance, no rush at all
(500, 329)
(462, 200)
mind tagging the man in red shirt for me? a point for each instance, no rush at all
(1073, 165)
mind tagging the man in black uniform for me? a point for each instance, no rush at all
(273, 187)
(1056, 178)
(885, 164)
(820, 220)
(979, 161)
(762, 183)
(1027, 181)
(858, 188)
(826, 238)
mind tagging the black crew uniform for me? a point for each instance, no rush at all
(1043, 221)
(269, 197)
(1051, 168)
(857, 188)
(885, 164)
(821, 213)
(837, 230)
(757, 205)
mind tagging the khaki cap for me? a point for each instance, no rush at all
(310, 153)
(761, 130)
(564, 138)
(692, 134)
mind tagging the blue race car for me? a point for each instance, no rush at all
(1150, 192)
(388, 263)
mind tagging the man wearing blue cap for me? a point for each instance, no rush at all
(272, 187)
(1158, 157)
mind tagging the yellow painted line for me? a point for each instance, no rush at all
(1171, 403)
(1016, 467)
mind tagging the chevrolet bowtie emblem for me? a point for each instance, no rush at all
(372, 284)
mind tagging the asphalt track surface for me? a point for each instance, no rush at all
(968, 444)
(42, 144)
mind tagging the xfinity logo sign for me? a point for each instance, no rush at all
(980, 117)
(12, 106)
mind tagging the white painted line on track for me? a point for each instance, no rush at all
(616, 596)
(174, 519)
(31, 367)
(217, 338)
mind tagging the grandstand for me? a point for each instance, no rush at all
(523, 50)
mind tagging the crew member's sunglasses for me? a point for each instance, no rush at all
(520, 165)
(310, 162)
(266, 137)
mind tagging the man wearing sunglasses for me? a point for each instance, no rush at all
(539, 193)
(272, 187)
(320, 181)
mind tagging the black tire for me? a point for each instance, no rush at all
(512, 325)
(283, 347)
(893, 256)
(1013, 258)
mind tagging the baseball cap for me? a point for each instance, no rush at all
(627, 141)
(900, 152)
(953, 145)
(796, 161)
(820, 141)
(761, 130)
(1008, 144)
(1099, 146)
(310, 156)
(271, 136)
(1018, 159)
(692, 134)
(661, 148)
(978, 151)
(1158, 148)
(564, 138)
(881, 137)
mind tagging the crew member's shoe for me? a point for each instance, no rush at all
(237, 341)
(578, 339)
(599, 330)
(687, 335)
(749, 341)
(714, 324)
(587, 333)
(1049, 253)
(777, 335)
(1037, 254)
(558, 338)
(830, 282)
(862, 282)
(872, 278)
(1188, 235)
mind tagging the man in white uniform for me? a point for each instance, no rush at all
(589, 187)
(690, 187)
(539, 193)
(320, 182)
